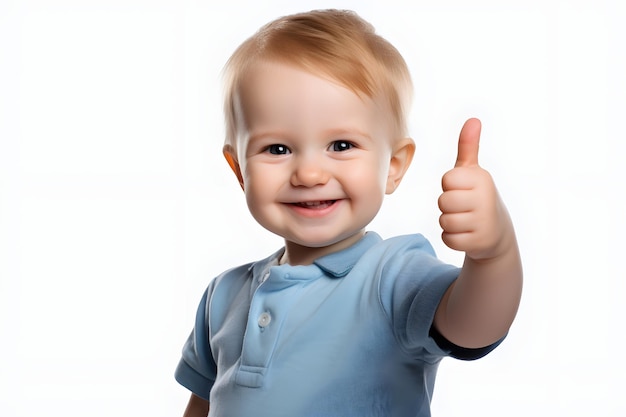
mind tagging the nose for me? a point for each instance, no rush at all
(309, 172)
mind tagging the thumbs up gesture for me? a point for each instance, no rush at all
(473, 219)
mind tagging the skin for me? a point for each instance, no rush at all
(315, 172)
(196, 407)
(480, 306)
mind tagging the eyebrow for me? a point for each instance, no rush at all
(348, 132)
(265, 134)
(337, 132)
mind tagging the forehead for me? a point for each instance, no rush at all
(288, 85)
(274, 92)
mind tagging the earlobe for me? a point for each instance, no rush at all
(401, 158)
(231, 158)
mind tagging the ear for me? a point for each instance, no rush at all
(231, 158)
(401, 157)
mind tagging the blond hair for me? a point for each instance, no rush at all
(333, 43)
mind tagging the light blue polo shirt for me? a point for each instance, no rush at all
(349, 335)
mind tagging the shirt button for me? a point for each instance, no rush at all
(264, 319)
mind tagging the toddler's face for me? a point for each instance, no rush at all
(314, 157)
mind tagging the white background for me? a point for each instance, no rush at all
(116, 207)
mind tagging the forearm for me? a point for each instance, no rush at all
(478, 309)
(196, 407)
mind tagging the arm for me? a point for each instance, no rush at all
(479, 307)
(196, 407)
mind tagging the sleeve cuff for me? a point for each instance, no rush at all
(459, 352)
(192, 380)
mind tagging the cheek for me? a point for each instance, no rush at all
(250, 176)
(367, 181)
(257, 197)
(371, 172)
(259, 183)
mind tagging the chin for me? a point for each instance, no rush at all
(312, 243)
(322, 241)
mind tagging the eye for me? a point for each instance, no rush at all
(278, 149)
(341, 145)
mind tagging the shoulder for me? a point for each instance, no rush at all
(406, 257)
(404, 268)
(401, 251)
(245, 272)
(234, 283)
(410, 243)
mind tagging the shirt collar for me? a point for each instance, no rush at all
(336, 265)
(339, 264)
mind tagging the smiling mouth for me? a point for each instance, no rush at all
(315, 205)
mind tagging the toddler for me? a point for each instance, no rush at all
(340, 322)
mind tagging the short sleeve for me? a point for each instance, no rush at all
(196, 369)
(413, 283)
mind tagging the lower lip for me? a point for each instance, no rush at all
(314, 212)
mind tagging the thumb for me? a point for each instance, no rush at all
(468, 144)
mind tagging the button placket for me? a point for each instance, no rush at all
(269, 306)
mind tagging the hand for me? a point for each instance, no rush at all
(474, 219)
